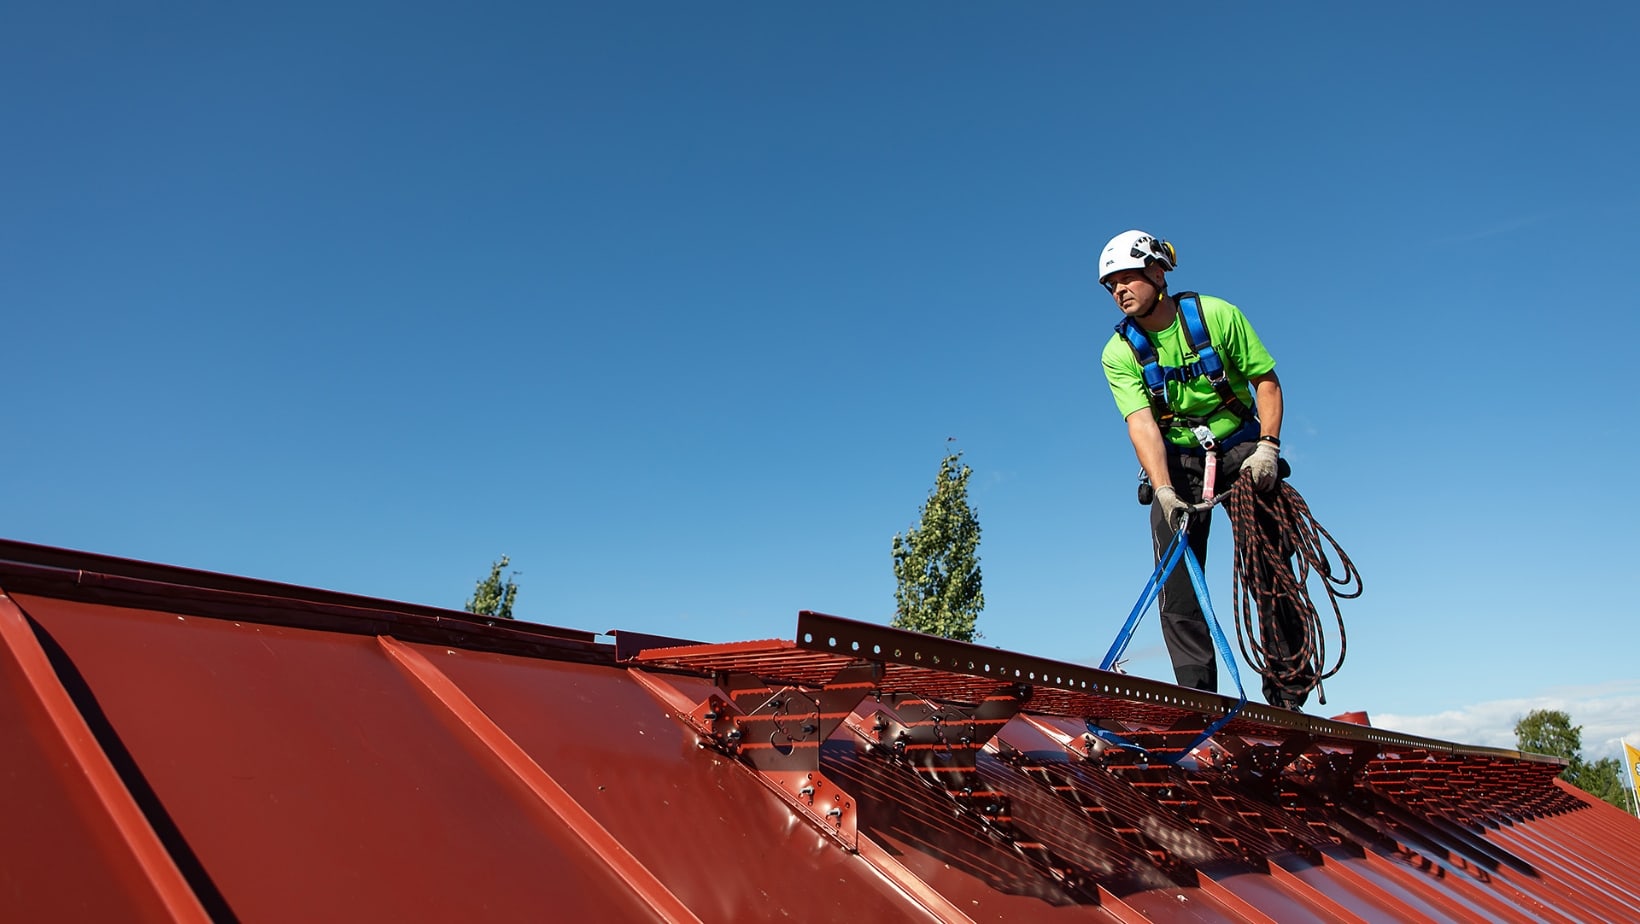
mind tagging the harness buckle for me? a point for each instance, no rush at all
(1204, 436)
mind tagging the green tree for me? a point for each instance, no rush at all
(936, 564)
(492, 596)
(1550, 731)
(1602, 779)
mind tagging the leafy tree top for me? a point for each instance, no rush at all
(939, 587)
(492, 596)
(1549, 731)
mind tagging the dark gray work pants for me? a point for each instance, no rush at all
(1184, 626)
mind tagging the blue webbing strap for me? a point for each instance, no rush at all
(1195, 329)
(1208, 364)
(1164, 567)
(1226, 656)
(1176, 550)
(1150, 366)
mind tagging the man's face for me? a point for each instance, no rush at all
(1134, 291)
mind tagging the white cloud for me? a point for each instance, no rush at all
(1607, 712)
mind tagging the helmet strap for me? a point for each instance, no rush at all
(1161, 290)
(1160, 297)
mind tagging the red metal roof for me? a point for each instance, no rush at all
(184, 746)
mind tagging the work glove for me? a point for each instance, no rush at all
(1173, 509)
(1260, 467)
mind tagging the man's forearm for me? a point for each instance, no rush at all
(1267, 388)
(1148, 446)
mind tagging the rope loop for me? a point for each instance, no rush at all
(1278, 546)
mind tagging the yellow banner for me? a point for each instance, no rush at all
(1631, 759)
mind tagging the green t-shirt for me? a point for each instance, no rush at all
(1238, 346)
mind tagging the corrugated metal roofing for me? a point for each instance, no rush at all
(185, 746)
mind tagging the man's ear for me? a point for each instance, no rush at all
(1156, 275)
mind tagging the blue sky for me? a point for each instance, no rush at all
(678, 304)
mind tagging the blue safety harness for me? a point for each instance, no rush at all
(1208, 364)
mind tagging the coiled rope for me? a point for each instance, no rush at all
(1273, 564)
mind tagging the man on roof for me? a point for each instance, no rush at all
(1203, 404)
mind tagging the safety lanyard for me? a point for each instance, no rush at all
(1177, 550)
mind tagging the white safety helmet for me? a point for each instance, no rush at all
(1135, 250)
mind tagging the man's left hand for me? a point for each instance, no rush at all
(1261, 467)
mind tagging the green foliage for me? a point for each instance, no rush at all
(1602, 779)
(936, 564)
(492, 596)
(1550, 731)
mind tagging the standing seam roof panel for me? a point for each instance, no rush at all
(314, 780)
(87, 842)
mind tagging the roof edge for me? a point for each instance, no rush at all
(92, 578)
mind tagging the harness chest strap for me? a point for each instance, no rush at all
(1208, 364)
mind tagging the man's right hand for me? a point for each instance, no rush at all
(1173, 509)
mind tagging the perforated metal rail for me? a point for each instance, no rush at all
(959, 672)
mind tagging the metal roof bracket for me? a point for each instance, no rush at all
(776, 731)
(940, 743)
(941, 740)
(781, 727)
